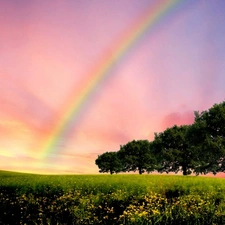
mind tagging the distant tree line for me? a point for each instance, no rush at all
(198, 148)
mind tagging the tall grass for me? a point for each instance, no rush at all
(110, 199)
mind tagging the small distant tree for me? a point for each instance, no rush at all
(109, 162)
(136, 156)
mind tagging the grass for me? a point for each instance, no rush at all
(110, 199)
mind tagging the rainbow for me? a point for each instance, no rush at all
(76, 101)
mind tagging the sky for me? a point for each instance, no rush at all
(79, 78)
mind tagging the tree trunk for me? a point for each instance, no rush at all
(140, 170)
(184, 170)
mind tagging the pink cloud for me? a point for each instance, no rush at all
(177, 118)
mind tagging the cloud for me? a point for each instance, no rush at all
(177, 118)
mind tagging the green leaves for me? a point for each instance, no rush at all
(108, 162)
(208, 135)
(136, 156)
(172, 151)
(197, 148)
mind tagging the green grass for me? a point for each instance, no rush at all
(110, 199)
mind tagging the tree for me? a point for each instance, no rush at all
(197, 148)
(108, 162)
(136, 155)
(196, 136)
(172, 151)
(208, 137)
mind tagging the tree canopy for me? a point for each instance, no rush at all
(136, 156)
(208, 138)
(108, 162)
(196, 148)
(172, 150)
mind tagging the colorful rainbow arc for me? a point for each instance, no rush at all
(101, 72)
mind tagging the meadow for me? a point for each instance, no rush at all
(111, 199)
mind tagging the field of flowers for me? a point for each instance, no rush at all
(110, 199)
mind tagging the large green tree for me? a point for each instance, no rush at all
(108, 162)
(136, 156)
(208, 138)
(198, 148)
(196, 138)
(172, 150)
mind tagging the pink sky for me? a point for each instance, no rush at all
(48, 50)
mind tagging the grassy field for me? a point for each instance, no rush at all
(110, 199)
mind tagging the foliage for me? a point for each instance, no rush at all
(198, 148)
(172, 150)
(105, 199)
(136, 155)
(209, 138)
(108, 162)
